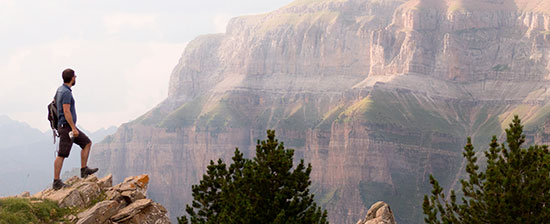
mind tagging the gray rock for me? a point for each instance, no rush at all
(79, 193)
(132, 196)
(25, 194)
(152, 214)
(379, 213)
(67, 197)
(89, 191)
(100, 213)
(71, 218)
(131, 210)
(72, 180)
(113, 195)
(106, 182)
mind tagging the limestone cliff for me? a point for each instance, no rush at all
(375, 94)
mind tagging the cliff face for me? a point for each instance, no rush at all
(376, 95)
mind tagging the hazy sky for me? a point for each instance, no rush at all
(122, 51)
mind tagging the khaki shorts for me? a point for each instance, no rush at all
(66, 143)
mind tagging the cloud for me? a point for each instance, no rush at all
(117, 22)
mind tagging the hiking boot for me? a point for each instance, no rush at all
(84, 172)
(58, 184)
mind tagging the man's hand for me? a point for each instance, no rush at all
(75, 132)
(69, 118)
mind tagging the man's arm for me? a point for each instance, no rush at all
(69, 118)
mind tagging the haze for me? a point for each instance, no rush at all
(122, 51)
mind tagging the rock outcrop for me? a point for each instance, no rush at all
(379, 213)
(97, 201)
(375, 94)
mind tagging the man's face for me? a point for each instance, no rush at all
(74, 80)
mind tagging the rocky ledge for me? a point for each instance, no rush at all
(98, 201)
(379, 213)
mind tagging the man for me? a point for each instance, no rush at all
(66, 127)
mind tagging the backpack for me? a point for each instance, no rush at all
(53, 117)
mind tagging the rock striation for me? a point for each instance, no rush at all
(375, 94)
(98, 201)
(379, 213)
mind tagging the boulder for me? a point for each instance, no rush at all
(88, 191)
(154, 213)
(25, 194)
(379, 213)
(131, 210)
(106, 182)
(79, 193)
(100, 213)
(66, 197)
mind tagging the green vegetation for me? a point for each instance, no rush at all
(538, 118)
(224, 114)
(261, 190)
(490, 127)
(24, 210)
(330, 117)
(301, 117)
(533, 115)
(328, 196)
(500, 68)
(184, 115)
(152, 117)
(403, 110)
(514, 188)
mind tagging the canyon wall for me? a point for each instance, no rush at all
(375, 94)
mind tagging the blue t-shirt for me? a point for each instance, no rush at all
(64, 95)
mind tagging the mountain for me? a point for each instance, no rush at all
(14, 133)
(100, 134)
(375, 94)
(28, 155)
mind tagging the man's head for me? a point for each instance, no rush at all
(69, 77)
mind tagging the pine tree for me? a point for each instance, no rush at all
(265, 189)
(514, 188)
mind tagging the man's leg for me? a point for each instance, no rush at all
(86, 144)
(84, 155)
(57, 165)
(65, 144)
(84, 170)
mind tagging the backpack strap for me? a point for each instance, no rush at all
(55, 135)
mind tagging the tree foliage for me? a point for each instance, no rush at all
(514, 188)
(261, 190)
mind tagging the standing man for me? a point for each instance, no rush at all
(68, 133)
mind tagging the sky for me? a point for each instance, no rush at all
(123, 52)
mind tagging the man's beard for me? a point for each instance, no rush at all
(74, 82)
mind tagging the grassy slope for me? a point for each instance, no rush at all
(23, 210)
